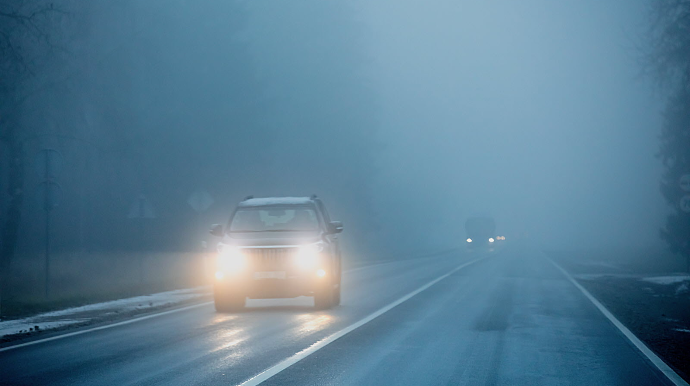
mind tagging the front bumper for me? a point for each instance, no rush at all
(266, 288)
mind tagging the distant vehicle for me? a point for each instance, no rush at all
(278, 247)
(480, 231)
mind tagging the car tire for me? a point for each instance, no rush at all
(336, 296)
(323, 296)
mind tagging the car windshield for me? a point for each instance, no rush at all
(261, 219)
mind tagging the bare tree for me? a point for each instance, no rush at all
(669, 62)
(25, 41)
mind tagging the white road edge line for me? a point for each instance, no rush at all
(272, 371)
(130, 320)
(105, 327)
(656, 361)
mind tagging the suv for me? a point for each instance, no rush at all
(278, 247)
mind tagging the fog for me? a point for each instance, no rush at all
(405, 116)
(534, 112)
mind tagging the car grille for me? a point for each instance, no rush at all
(269, 258)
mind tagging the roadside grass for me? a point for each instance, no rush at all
(37, 303)
(644, 261)
(79, 279)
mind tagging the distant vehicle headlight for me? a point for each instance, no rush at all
(230, 259)
(469, 240)
(308, 255)
(491, 239)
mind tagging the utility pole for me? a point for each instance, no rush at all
(48, 162)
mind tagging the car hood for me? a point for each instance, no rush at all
(267, 239)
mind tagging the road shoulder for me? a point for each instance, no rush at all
(653, 308)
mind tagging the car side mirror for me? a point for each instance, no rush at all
(335, 227)
(217, 230)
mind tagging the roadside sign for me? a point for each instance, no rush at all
(200, 200)
(684, 182)
(48, 163)
(141, 208)
(49, 193)
(685, 203)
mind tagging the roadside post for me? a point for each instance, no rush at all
(48, 164)
(684, 205)
(140, 211)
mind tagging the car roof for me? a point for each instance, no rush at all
(271, 201)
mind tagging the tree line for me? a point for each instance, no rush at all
(668, 61)
(160, 99)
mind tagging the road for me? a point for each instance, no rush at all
(509, 318)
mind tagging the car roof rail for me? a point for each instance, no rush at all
(249, 197)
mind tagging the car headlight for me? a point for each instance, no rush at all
(469, 240)
(491, 239)
(230, 259)
(308, 255)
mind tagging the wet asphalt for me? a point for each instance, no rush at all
(510, 318)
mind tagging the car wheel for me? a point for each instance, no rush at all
(323, 296)
(336, 296)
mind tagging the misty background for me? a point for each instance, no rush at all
(406, 117)
(534, 112)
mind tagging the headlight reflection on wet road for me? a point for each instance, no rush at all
(310, 323)
(227, 337)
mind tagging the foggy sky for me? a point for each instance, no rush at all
(405, 116)
(533, 112)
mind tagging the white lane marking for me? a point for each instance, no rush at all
(104, 327)
(127, 321)
(656, 361)
(272, 371)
